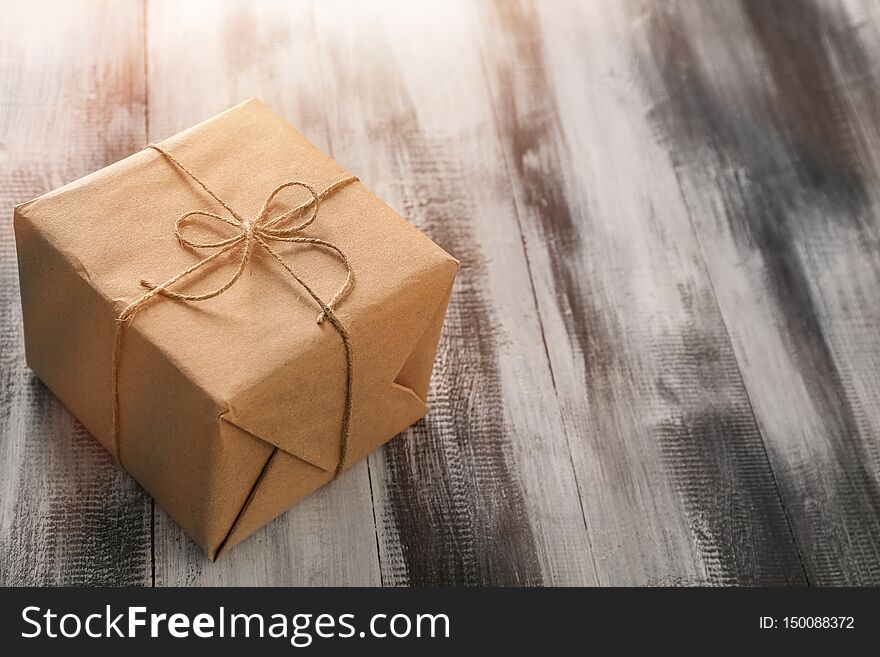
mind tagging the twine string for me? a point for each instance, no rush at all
(251, 234)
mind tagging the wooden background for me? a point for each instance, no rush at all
(661, 364)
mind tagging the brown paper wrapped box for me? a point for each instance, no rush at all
(230, 409)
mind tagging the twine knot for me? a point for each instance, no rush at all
(249, 234)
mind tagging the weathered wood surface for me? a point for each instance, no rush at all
(660, 362)
(776, 150)
(71, 101)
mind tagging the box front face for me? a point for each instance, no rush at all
(68, 329)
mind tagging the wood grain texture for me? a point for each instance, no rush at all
(660, 362)
(72, 102)
(769, 113)
(674, 477)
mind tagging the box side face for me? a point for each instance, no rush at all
(170, 435)
(415, 373)
(68, 329)
(287, 479)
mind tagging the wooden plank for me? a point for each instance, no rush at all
(71, 83)
(268, 50)
(674, 478)
(483, 491)
(769, 112)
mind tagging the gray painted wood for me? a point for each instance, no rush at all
(660, 362)
(72, 102)
(675, 482)
(769, 114)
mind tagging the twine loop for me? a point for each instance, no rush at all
(250, 234)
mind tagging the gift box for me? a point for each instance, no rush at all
(233, 315)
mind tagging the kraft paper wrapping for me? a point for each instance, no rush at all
(230, 408)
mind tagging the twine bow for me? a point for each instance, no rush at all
(250, 234)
